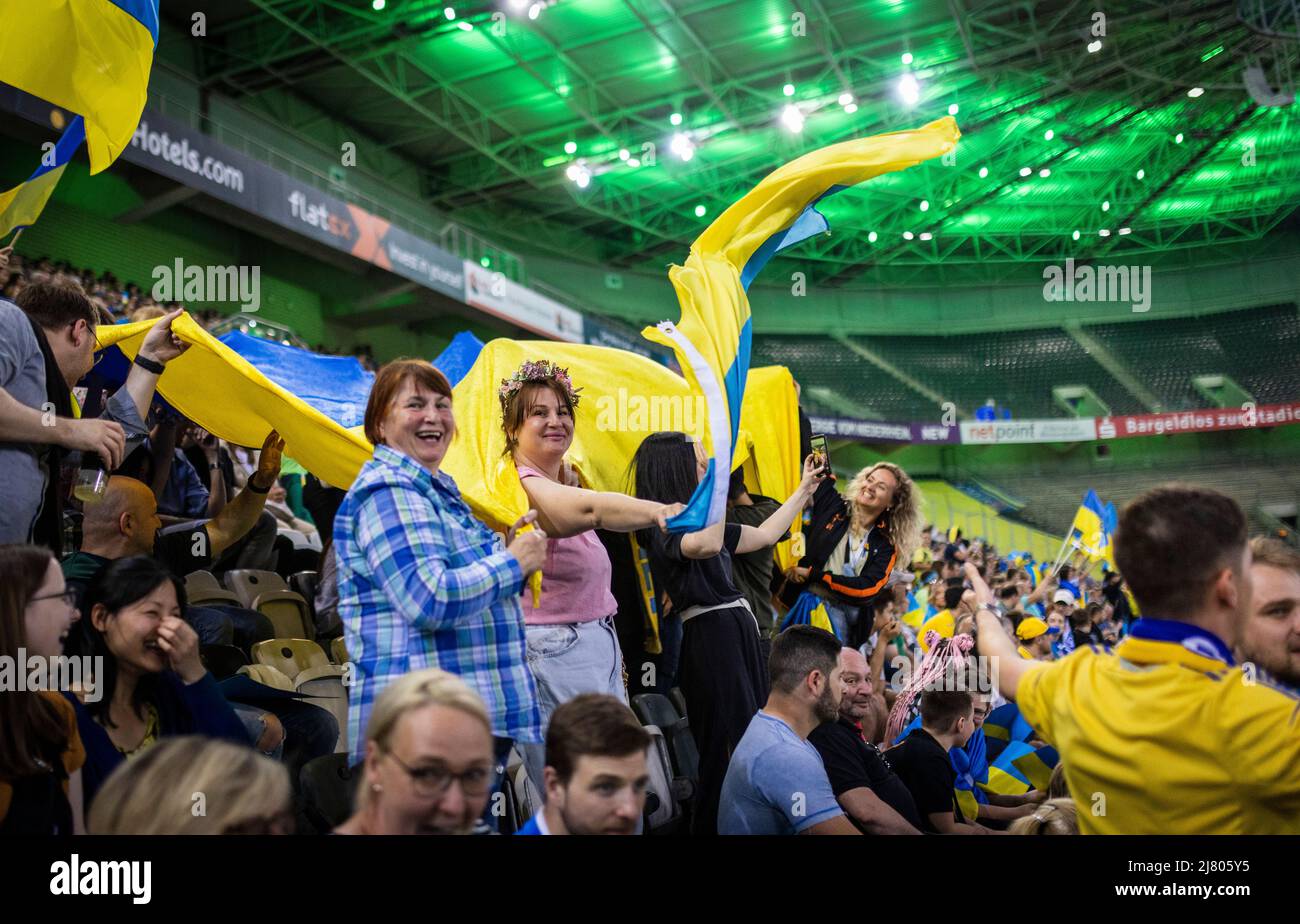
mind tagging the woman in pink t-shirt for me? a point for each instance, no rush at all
(572, 643)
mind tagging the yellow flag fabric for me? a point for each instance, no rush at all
(712, 338)
(224, 393)
(91, 57)
(624, 398)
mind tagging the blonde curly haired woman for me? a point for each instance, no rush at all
(853, 543)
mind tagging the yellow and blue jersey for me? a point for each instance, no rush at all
(1165, 735)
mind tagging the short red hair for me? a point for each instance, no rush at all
(389, 382)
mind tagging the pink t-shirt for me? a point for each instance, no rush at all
(575, 579)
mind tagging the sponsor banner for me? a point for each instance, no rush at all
(186, 155)
(1202, 421)
(492, 292)
(1060, 430)
(877, 431)
(602, 332)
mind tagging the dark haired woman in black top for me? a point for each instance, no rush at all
(721, 672)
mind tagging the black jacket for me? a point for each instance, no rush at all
(830, 521)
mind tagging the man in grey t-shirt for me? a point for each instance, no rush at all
(30, 422)
(776, 782)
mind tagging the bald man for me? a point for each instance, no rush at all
(865, 785)
(125, 522)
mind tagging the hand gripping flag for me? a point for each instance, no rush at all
(1088, 531)
(712, 339)
(90, 57)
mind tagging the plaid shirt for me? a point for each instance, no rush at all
(422, 583)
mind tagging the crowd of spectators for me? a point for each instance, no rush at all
(855, 693)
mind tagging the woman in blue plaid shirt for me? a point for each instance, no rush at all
(422, 583)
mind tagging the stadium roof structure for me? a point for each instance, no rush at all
(615, 130)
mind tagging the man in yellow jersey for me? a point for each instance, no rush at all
(1166, 734)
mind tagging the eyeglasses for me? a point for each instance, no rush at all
(431, 782)
(69, 597)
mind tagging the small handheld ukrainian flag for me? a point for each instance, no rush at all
(22, 205)
(1088, 531)
(90, 57)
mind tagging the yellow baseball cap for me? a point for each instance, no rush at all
(941, 622)
(1030, 628)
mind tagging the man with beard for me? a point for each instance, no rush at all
(1271, 638)
(861, 778)
(776, 782)
(596, 774)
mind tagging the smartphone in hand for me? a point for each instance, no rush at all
(821, 452)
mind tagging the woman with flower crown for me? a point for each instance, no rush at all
(572, 644)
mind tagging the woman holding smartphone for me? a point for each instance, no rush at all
(854, 541)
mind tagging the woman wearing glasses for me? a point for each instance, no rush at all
(40, 751)
(428, 759)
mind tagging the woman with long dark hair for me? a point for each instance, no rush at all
(153, 684)
(40, 751)
(721, 672)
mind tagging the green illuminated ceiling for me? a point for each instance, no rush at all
(486, 117)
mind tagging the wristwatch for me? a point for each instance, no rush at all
(149, 365)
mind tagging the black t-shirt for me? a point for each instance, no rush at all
(1082, 639)
(752, 571)
(694, 581)
(852, 763)
(926, 770)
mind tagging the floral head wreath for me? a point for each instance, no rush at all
(538, 371)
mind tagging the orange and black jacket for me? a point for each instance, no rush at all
(830, 521)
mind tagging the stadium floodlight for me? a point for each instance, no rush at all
(624, 153)
(570, 147)
(871, 238)
(378, 5)
(907, 57)
(1141, 174)
(1075, 235)
(534, 11)
(984, 171)
(1025, 171)
(792, 118)
(449, 12)
(851, 108)
(1178, 138)
(699, 211)
(675, 119)
(845, 99)
(681, 146)
(908, 235)
(788, 89)
(1094, 46)
(1195, 92)
(925, 205)
(909, 90)
(1105, 205)
(1045, 172)
(926, 235)
(1049, 135)
(953, 109)
(467, 27)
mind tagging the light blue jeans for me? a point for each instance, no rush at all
(566, 660)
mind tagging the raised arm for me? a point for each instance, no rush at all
(774, 527)
(564, 511)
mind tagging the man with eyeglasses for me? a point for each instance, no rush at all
(596, 769)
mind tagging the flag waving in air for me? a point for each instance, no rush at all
(1088, 531)
(90, 57)
(712, 339)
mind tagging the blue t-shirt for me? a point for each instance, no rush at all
(776, 783)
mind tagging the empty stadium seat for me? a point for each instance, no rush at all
(203, 587)
(655, 709)
(338, 651)
(668, 816)
(311, 674)
(266, 592)
(328, 788)
(527, 796)
(305, 584)
(268, 675)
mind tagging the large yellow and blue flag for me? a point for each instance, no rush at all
(1088, 531)
(22, 205)
(712, 339)
(90, 57)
